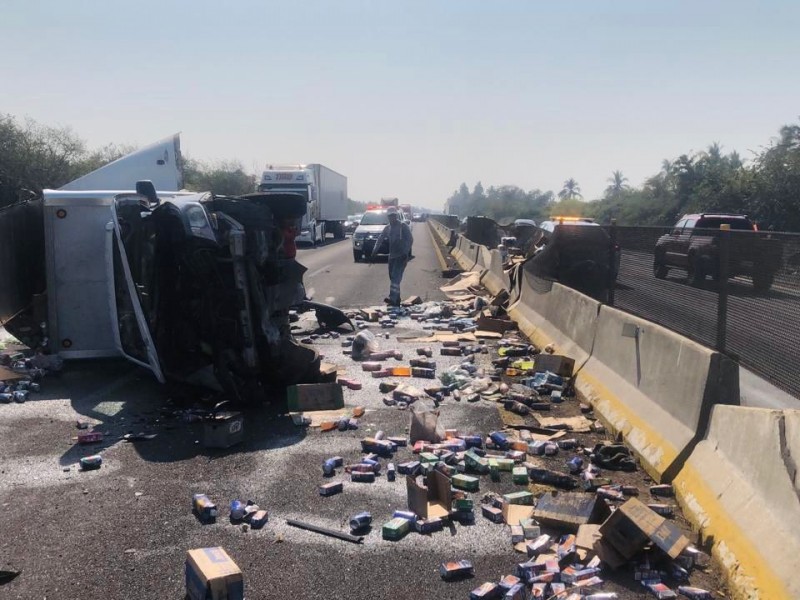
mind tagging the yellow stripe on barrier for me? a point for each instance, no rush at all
(750, 574)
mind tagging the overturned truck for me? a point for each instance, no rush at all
(196, 287)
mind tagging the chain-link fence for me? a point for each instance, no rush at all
(734, 290)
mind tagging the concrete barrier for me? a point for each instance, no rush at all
(655, 387)
(740, 488)
(550, 313)
(465, 253)
(495, 278)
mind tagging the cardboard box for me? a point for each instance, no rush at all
(490, 324)
(569, 511)
(555, 363)
(314, 396)
(433, 499)
(514, 513)
(212, 575)
(633, 525)
(224, 430)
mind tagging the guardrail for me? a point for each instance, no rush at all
(674, 400)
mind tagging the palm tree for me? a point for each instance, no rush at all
(618, 182)
(570, 190)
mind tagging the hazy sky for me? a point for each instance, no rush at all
(409, 99)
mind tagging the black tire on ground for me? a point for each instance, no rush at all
(357, 256)
(762, 281)
(660, 270)
(695, 271)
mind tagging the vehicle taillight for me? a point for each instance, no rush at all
(755, 226)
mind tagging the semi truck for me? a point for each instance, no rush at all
(325, 191)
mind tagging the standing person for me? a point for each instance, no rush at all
(400, 242)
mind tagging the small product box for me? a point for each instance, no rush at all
(212, 575)
(493, 514)
(259, 519)
(485, 591)
(524, 498)
(204, 508)
(456, 569)
(465, 482)
(395, 529)
(223, 430)
(330, 489)
(519, 475)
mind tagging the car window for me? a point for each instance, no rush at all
(679, 226)
(375, 218)
(690, 223)
(715, 222)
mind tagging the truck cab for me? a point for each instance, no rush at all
(295, 179)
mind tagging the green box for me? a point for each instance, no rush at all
(476, 463)
(505, 464)
(523, 498)
(428, 457)
(494, 470)
(396, 529)
(520, 475)
(463, 504)
(531, 528)
(465, 482)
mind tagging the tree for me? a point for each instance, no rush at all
(570, 190)
(223, 178)
(617, 184)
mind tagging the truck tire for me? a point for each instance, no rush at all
(695, 271)
(338, 231)
(357, 256)
(660, 270)
(762, 281)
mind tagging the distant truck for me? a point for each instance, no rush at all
(325, 191)
(693, 246)
(387, 202)
(406, 210)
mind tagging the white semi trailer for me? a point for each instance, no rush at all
(325, 191)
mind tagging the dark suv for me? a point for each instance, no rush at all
(693, 245)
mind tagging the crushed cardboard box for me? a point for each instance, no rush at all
(431, 500)
(212, 575)
(314, 396)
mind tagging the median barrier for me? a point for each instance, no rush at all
(550, 313)
(495, 278)
(655, 387)
(740, 488)
(465, 253)
(483, 258)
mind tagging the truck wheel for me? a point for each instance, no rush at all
(338, 232)
(660, 270)
(695, 271)
(763, 281)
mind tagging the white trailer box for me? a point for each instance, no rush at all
(332, 190)
(77, 262)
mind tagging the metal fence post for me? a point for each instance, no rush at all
(612, 251)
(722, 297)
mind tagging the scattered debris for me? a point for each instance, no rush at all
(212, 575)
(341, 535)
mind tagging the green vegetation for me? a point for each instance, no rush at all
(34, 157)
(767, 189)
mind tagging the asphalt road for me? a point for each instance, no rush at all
(123, 531)
(763, 329)
(334, 278)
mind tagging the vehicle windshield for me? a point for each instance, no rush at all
(375, 218)
(715, 222)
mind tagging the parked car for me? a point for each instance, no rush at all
(693, 246)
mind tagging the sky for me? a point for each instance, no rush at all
(408, 98)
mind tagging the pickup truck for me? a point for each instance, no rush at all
(693, 245)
